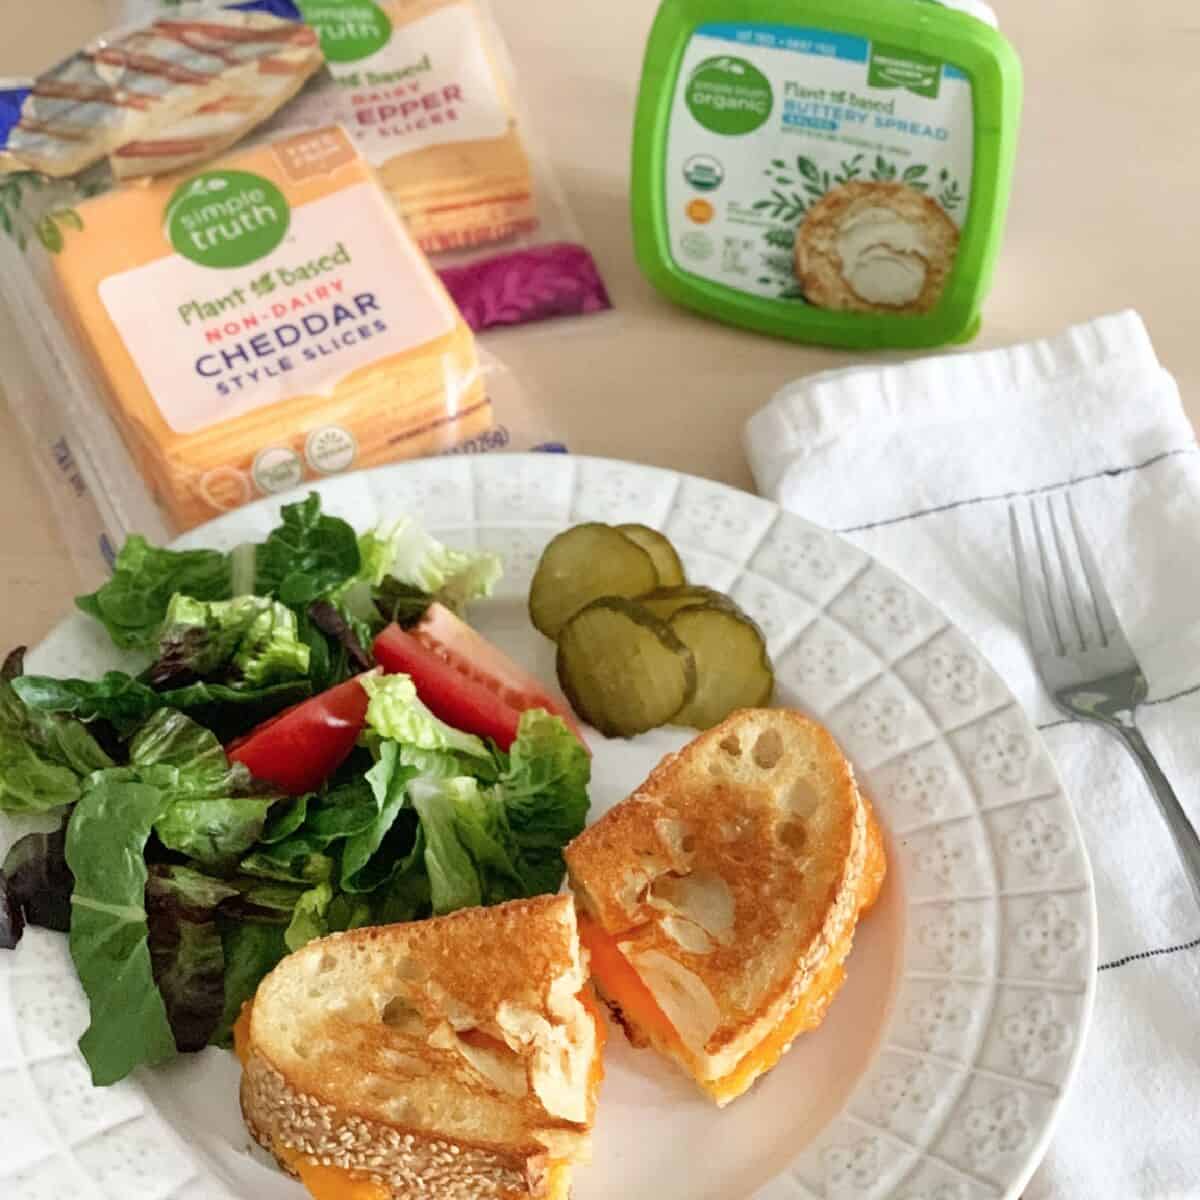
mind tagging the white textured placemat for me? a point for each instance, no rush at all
(918, 464)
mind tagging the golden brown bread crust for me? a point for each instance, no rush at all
(820, 269)
(765, 804)
(408, 1162)
(454, 1050)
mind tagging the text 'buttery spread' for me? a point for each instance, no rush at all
(266, 320)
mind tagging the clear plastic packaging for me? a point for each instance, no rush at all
(180, 345)
(90, 476)
(430, 95)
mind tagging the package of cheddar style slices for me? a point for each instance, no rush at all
(238, 322)
(428, 93)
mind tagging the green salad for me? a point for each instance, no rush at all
(308, 739)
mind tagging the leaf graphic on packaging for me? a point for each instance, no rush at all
(49, 234)
(808, 169)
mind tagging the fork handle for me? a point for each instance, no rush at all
(1187, 842)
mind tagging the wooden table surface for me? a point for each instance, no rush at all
(1103, 217)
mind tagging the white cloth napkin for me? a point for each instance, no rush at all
(918, 463)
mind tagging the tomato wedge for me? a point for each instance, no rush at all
(299, 748)
(464, 679)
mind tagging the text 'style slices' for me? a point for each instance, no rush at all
(719, 900)
(264, 321)
(453, 1057)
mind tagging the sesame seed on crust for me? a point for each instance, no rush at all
(410, 1164)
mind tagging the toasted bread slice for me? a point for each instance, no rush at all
(454, 1057)
(720, 899)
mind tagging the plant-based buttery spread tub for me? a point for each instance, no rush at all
(832, 171)
(266, 320)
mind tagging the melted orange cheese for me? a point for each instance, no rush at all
(336, 1183)
(589, 1001)
(558, 1182)
(875, 867)
(624, 987)
(241, 1032)
(324, 1183)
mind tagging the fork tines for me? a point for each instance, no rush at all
(1067, 607)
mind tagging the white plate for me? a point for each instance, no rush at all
(940, 1068)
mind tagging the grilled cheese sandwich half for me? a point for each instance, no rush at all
(719, 901)
(450, 1058)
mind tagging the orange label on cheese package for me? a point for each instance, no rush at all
(266, 320)
(312, 155)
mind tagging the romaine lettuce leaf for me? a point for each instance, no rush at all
(342, 812)
(411, 556)
(211, 815)
(363, 867)
(544, 789)
(453, 878)
(250, 638)
(308, 555)
(286, 817)
(174, 752)
(232, 709)
(125, 702)
(405, 894)
(310, 918)
(115, 697)
(266, 901)
(290, 861)
(106, 840)
(250, 951)
(300, 856)
(215, 832)
(395, 713)
(43, 756)
(482, 826)
(132, 604)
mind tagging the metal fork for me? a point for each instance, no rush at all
(1083, 655)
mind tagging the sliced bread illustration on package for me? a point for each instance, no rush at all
(875, 247)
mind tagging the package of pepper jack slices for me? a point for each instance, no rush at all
(181, 342)
(429, 93)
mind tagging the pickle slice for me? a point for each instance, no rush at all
(655, 544)
(665, 602)
(732, 667)
(622, 668)
(581, 565)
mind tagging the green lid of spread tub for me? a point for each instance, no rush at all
(833, 171)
